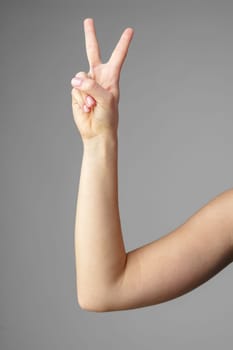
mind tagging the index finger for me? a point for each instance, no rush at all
(120, 52)
(92, 46)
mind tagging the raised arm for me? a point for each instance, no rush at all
(107, 277)
(99, 247)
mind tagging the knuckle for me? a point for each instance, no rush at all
(90, 84)
(81, 74)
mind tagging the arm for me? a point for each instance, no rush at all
(99, 248)
(107, 278)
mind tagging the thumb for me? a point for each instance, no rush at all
(88, 85)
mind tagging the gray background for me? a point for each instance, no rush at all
(175, 154)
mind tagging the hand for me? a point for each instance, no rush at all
(95, 95)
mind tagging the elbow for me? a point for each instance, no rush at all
(91, 306)
(104, 298)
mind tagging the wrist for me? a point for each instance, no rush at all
(102, 144)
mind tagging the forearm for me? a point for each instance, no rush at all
(99, 246)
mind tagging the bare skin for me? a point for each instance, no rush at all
(109, 278)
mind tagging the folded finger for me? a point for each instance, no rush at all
(77, 98)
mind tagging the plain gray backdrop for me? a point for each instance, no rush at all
(175, 154)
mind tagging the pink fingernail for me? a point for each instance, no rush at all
(90, 101)
(76, 81)
(86, 108)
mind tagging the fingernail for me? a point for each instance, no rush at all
(86, 108)
(90, 101)
(76, 81)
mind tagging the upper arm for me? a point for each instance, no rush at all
(179, 261)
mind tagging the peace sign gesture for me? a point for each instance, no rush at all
(95, 95)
